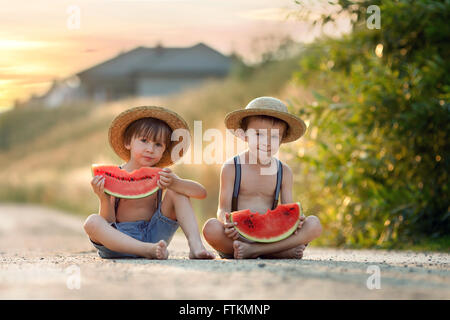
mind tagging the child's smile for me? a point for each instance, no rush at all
(263, 137)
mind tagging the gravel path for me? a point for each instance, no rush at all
(44, 254)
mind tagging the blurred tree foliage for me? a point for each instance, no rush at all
(380, 125)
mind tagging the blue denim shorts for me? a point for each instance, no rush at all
(158, 228)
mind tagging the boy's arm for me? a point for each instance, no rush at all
(287, 184)
(106, 209)
(226, 190)
(189, 188)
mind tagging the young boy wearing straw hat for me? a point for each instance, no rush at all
(131, 228)
(255, 180)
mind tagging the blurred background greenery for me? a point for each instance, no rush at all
(373, 165)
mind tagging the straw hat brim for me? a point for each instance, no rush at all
(124, 119)
(296, 126)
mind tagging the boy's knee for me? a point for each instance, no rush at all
(212, 229)
(175, 195)
(170, 199)
(314, 225)
(92, 222)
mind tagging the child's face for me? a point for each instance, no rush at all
(264, 137)
(145, 152)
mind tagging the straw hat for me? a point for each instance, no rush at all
(124, 119)
(267, 106)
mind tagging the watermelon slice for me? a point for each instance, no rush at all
(130, 185)
(272, 226)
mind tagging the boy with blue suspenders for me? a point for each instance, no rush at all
(256, 180)
(144, 227)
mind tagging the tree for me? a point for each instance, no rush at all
(382, 119)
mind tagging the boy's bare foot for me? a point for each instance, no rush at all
(243, 250)
(161, 250)
(293, 253)
(202, 254)
(158, 251)
(198, 251)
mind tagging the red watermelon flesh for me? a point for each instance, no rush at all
(131, 185)
(272, 226)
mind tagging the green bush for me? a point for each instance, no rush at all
(381, 117)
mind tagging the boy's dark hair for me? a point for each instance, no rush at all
(150, 128)
(275, 121)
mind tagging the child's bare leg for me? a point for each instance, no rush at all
(214, 233)
(293, 253)
(310, 230)
(100, 231)
(176, 206)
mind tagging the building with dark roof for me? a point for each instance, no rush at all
(141, 72)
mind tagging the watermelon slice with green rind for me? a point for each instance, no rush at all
(271, 226)
(130, 185)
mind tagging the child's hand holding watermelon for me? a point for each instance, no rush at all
(98, 185)
(166, 178)
(300, 224)
(230, 231)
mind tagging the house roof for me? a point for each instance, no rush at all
(199, 59)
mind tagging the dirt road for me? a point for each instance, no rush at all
(44, 254)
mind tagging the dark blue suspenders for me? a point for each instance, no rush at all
(278, 187)
(159, 196)
(237, 184)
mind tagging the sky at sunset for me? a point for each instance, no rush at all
(43, 40)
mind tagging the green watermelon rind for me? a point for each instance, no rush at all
(273, 239)
(138, 196)
(124, 196)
